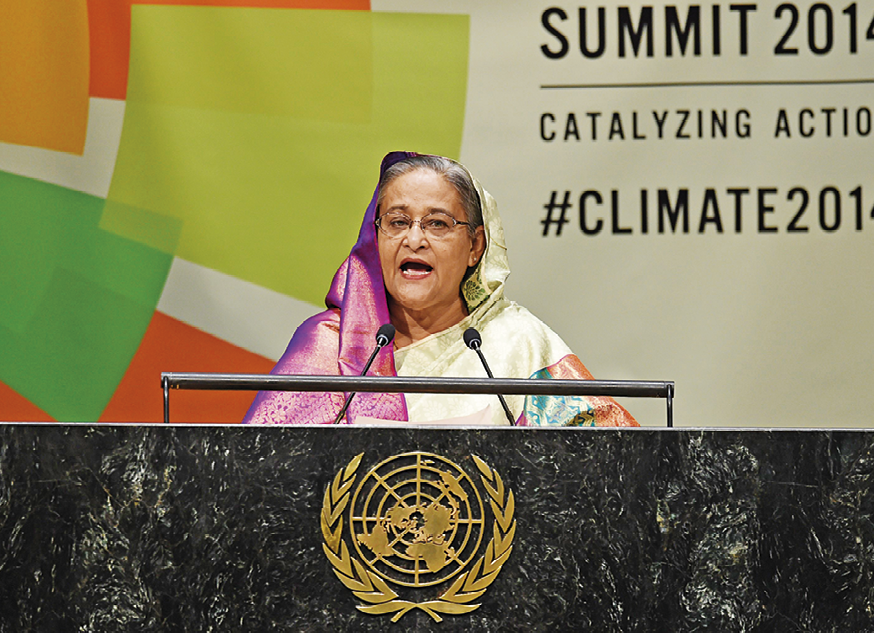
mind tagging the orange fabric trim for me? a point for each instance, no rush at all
(570, 368)
(608, 412)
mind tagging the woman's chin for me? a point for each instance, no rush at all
(413, 305)
(419, 306)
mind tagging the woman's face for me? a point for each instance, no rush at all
(422, 273)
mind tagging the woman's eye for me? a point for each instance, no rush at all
(437, 225)
(399, 223)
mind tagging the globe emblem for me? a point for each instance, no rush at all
(416, 519)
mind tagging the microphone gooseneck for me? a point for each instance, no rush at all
(474, 341)
(384, 336)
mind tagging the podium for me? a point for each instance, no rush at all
(227, 528)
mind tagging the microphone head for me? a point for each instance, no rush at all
(385, 334)
(472, 338)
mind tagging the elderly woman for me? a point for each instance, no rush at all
(431, 260)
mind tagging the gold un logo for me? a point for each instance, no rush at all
(417, 523)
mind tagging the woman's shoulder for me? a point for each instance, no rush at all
(520, 331)
(511, 314)
(327, 320)
(314, 346)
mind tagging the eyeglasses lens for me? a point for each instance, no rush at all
(434, 225)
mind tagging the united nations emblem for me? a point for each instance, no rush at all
(417, 523)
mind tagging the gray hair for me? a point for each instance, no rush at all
(455, 175)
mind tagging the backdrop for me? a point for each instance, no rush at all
(686, 189)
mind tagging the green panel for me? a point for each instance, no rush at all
(73, 354)
(75, 300)
(28, 247)
(270, 171)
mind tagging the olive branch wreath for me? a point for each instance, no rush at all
(369, 587)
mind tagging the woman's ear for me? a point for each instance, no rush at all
(477, 246)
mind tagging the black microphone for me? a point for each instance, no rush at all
(474, 341)
(384, 335)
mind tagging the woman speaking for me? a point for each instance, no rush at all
(431, 260)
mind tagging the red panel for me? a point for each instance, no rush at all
(16, 408)
(109, 24)
(171, 345)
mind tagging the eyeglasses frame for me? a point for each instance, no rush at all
(379, 228)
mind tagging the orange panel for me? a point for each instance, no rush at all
(171, 345)
(342, 5)
(110, 33)
(44, 74)
(16, 408)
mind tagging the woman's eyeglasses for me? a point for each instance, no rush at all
(436, 224)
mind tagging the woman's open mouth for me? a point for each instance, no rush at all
(415, 270)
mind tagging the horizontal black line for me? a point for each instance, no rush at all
(416, 384)
(696, 84)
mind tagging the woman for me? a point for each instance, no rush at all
(431, 260)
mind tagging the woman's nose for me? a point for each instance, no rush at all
(416, 236)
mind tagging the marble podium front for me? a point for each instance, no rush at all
(217, 528)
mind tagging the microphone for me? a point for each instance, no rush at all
(384, 335)
(474, 341)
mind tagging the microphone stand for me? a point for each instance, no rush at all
(385, 334)
(473, 340)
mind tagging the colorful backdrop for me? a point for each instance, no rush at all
(686, 188)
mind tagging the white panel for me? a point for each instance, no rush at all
(247, 315)
(757, 327)
(90, 173)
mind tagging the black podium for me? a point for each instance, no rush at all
(229, 528)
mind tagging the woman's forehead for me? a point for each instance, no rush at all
(421, 191)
